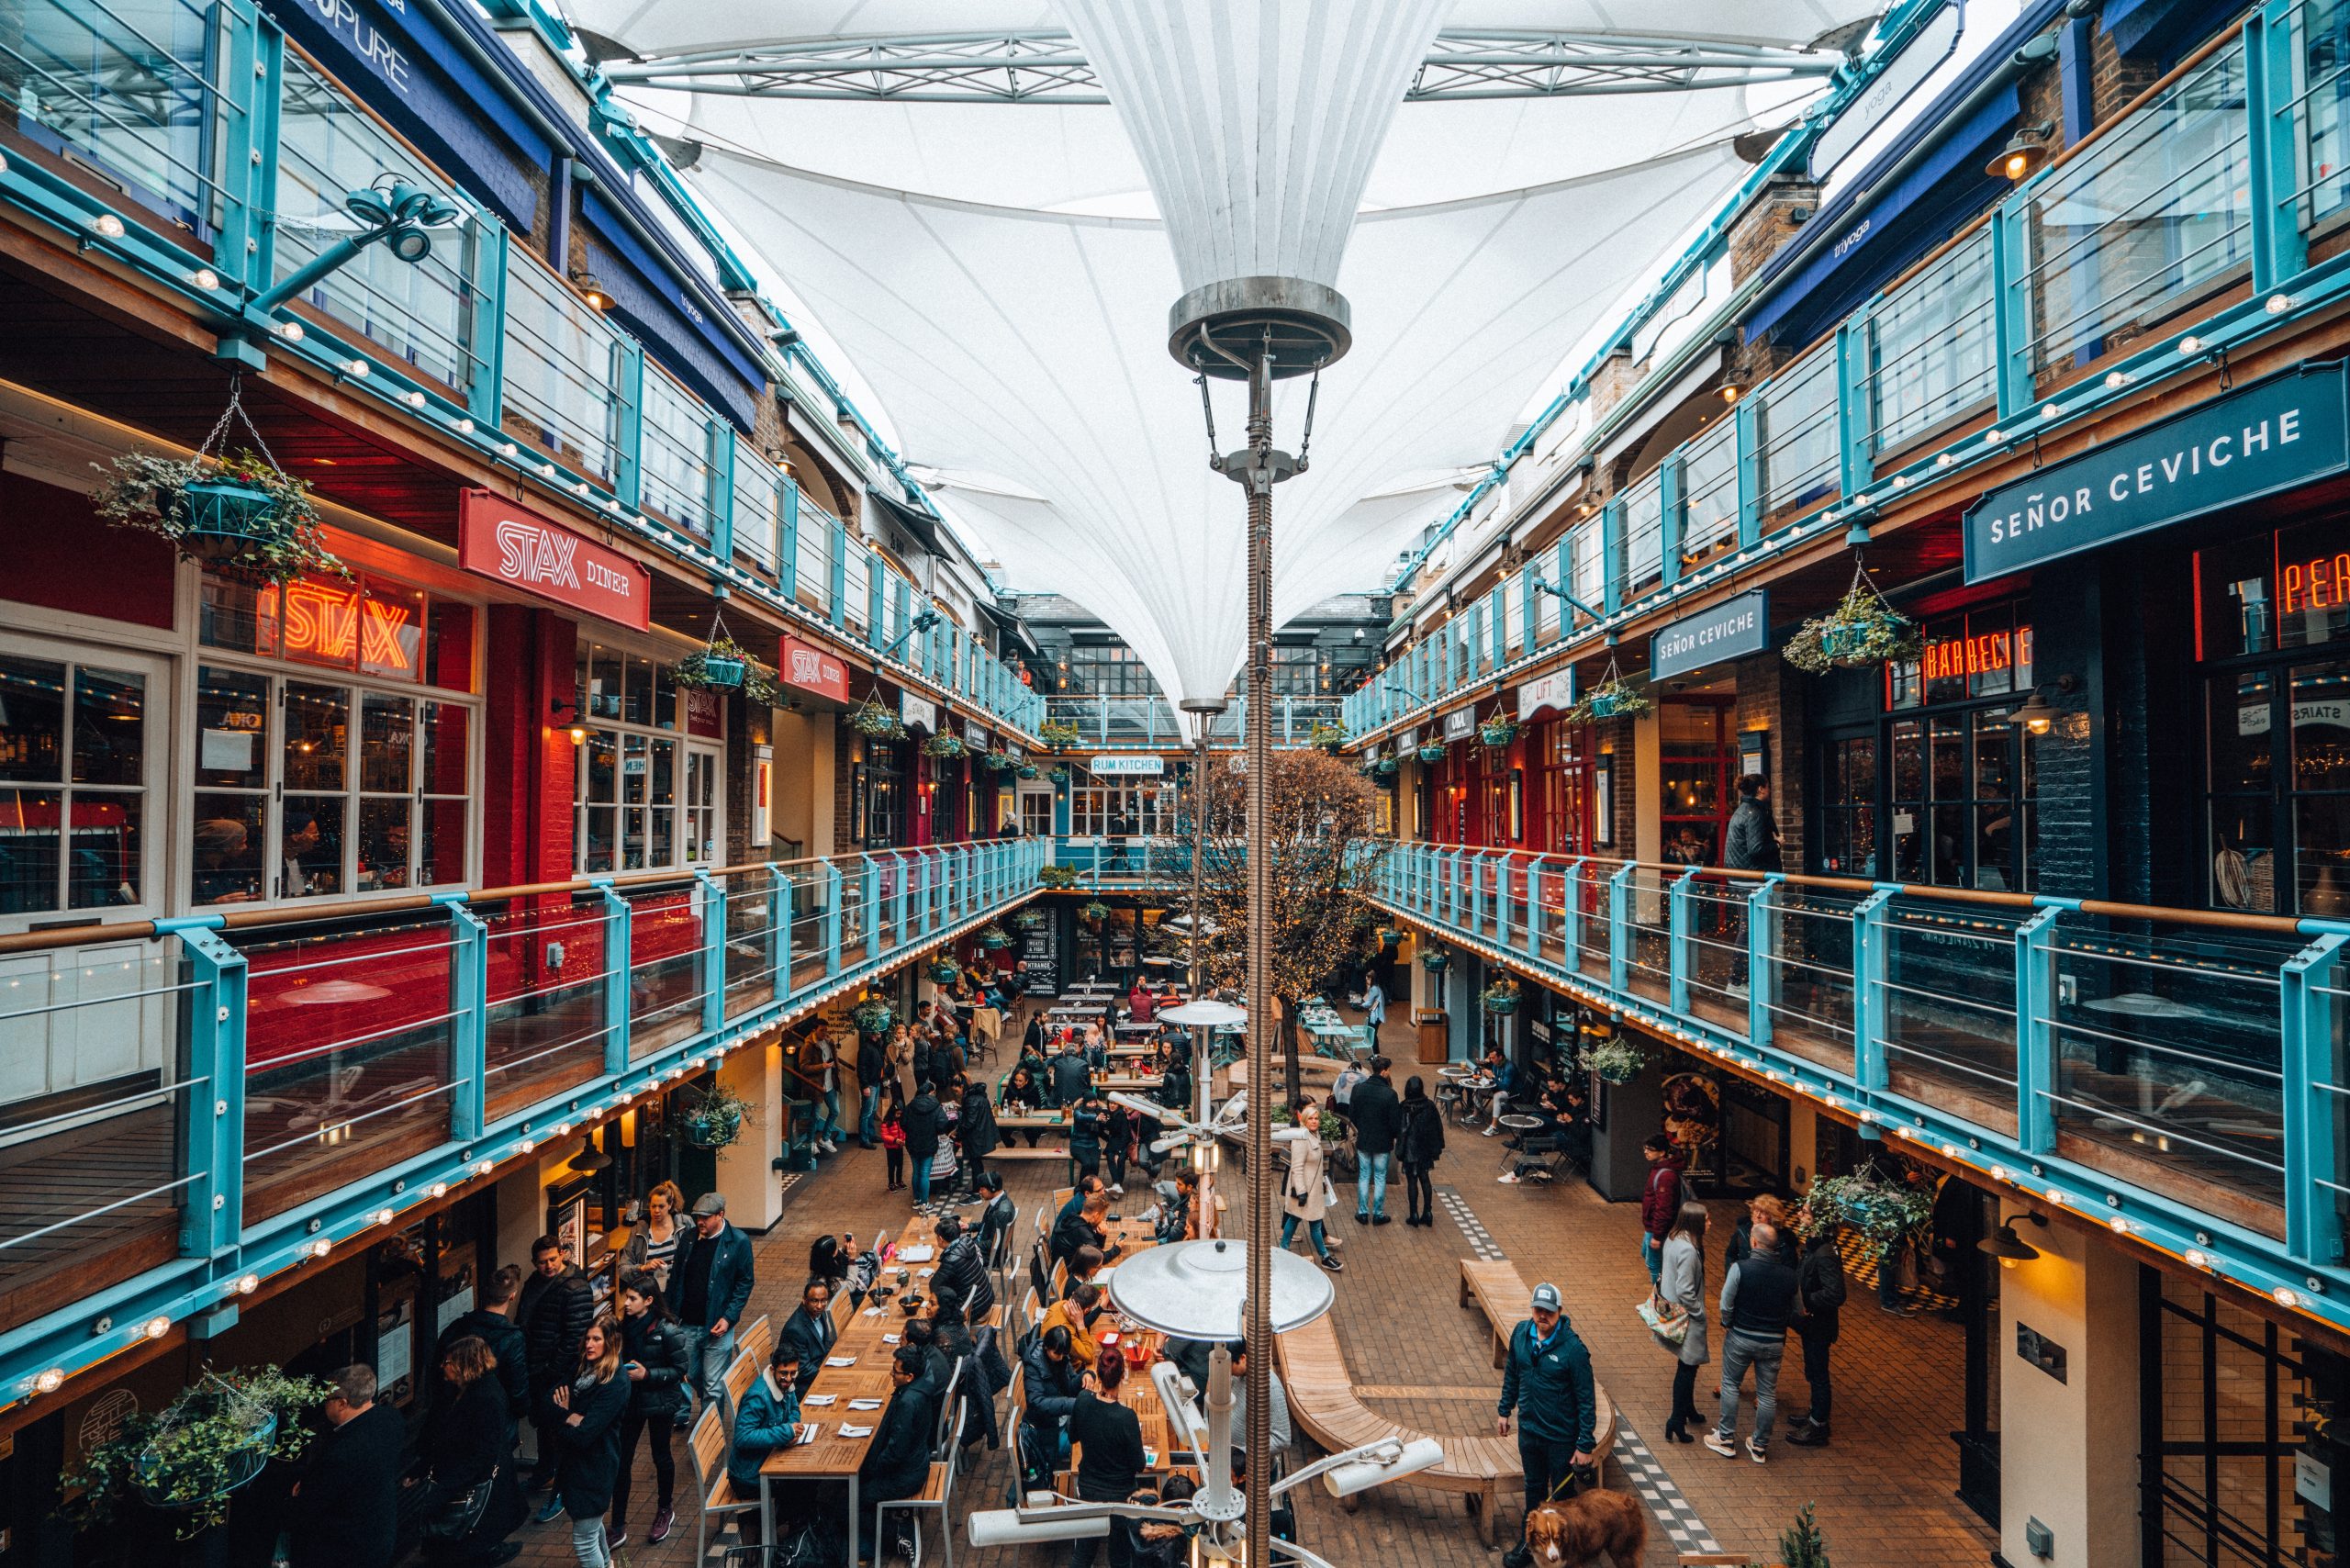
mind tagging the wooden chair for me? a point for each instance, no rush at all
(741, 1373)
(757, 1339)
(937, 1496)
(712, 1490)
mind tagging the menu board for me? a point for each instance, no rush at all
(1040, 950)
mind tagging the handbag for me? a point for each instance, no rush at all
(1329, 1194)
(457, 1514)
(1670, 1326)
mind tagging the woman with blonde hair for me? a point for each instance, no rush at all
(1764, 1209)
(477, 1502)
(586, 1415)
(653, 1246)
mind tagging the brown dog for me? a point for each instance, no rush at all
(1574, 1531)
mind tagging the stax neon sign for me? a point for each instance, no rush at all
(325, 624)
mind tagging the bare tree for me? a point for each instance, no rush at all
(1326, 845)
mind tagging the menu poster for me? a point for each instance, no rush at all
(1040, 950)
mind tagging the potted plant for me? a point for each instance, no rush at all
(720, 667)
(1385, 767)
(1883, 1209)
(995, 938)
(1095, 913)
(872, 1017)
(1435, 959)
(1027, 770)
(1862, 630)
(235, 511)
(1001, 760)
(1497, 731)
(1618, 1058)
(1029, 919)
(1432, 752)
(1059, 879)
(1389, 936)
(1059, 735)
(1330, 737)
(1058, 774)
(942, 970)
(1500, 997)
(214, 1437)
(943, 746)
(718, 1119)
(876, 722)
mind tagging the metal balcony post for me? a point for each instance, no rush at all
(712, 899)
(1678, 924)
(253, 86)
(469, 1018)
(1854, 469)
(870, 917)
(1571, 914)
(833, 887)
(1871, 944)
(719, 439)
(1452, 890)
(1674, 524)
(1761, 959)
(901, 888)
(1476, 893)
(1614, 561)
(788, 550)
(1748, 436)
(2311, 1065)
(836, 586)
(2011, 304)
(1530, 612)
(1619, 929)
(212, 1116)
(2272, 146)
(485, 393)
(2035, 999)
(780, 885)
(1534, 907)
(929, 901)
(619, 944)
(629, 454)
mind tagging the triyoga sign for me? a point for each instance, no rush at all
(2279, 433)
(500, 540)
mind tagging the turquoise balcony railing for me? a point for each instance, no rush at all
(185, 138)
(1149, 723)
(2180, 1075)
(2193, 216)
(220, 1098)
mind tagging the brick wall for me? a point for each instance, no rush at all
(1612, 382)
(844, 792)
(1769, 222)
(2068, 844)
(1614, 739)
(2114, 80)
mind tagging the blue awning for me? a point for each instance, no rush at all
(2165, 29)
(649, 298)
(1878, 231)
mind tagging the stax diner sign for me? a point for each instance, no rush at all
(813, 669)
(500, 540)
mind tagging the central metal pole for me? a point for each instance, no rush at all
(1203, 1040)
(1257, 1328)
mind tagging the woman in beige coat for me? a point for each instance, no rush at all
(1302, 1191)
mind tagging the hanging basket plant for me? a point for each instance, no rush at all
(1862, 630)
(1027, 770)
(216, 1435)
(873, 1017)
(1059, 879)
(1432, 752)
(1618, 1060)
(1500, 997)
(1002, 761)
(1058, 774)
(1389, 938)
(1613, 698)
(995, 938)
(1435, 959)
(944, 746)
(1385, 767)
(941, 971)
(876, 722)
(234, 511)
(717, 1119)
(1326, 735)
(1095, 913)
(724, 665)
(1059, 735)
(1880, 1206)
(1497, 731)
(1029, 919)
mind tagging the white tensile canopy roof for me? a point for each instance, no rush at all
(998, 277)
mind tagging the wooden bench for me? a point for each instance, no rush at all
(1022, 1151)
(1497, 1288)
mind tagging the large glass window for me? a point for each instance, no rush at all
(644, 796)
(1848, 806)
(1560, 753)
(883, 801)
(1111, 669)
(73, 759)
(1140, 811)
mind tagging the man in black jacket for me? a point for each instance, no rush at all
(872, 1067)
(558, 1307)
(1548, 1384)
(962, 1267)
(1083, 1229)
(1758, 1303)
(921, 1120)
(1819, 1296)
(1050, 1381)
(1378, 1117)
(1070, 1080)
(493, 1324)
(996, 1222)
(345, 1510)
(898, 1464)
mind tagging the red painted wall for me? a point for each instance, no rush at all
(60, 556)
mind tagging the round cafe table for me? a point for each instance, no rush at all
(1518, 1127)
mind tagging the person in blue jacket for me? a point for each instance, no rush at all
(710, 1284)
(769, 1420)
(1549, 1385)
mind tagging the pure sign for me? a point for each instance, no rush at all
(500, 540)
(1729, 629)
(2283, 432)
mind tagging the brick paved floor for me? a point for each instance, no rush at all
(1883, 1490)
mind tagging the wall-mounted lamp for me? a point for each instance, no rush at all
(1730, 391)
(577, 727)
(592, 289)
(2008, 1247)
(2026, 150)
(2037, 715)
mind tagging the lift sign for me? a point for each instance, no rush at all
(2271, 436)
(500, 540)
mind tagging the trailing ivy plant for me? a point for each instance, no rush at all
(1501, 996)
(943, 746)
(873, 1017)
(1884, 1209)
(876, 722)
(274, 536)
(725, 665)
(718, 1119)
(1617, 1059)
(215, 1436)
(1862, 630)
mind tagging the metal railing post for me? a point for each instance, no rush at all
(2011, 305)
(2312, 1077)
(486, 395)
(779, 886)
(1571, 919)
(1619, 929)
(1672, 515)
(1678, 899)
(212, 1124)
(1871, 942)
(628, 481)
(618, 945)
(1748, 437)
(1853, 421)
(2274, 110)
(1534, 907)
(870, 917)
(712, 899)
(833, 886)
(2035, 999)
(469, 1018)
(1761, 959)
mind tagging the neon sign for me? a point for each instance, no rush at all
(1951, 658)
(2321, 582)
(332, 624)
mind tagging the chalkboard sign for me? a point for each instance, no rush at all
(1040, 950)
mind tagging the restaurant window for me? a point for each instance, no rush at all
(1964, 791)
(1107, 669)
(76, 741)
(884, 796)
(1146, 810)
(309, 786)
(1848, 805)
(1694, 765)
(644, 796)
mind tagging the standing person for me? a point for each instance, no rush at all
(714, 1275)
(872, 1067)
(893, 1141)
(1661, 1200)
(468, 1440)
(810, 1329)
(1753, 843)
(587, 1408)
(921, 1122)
(653, 1355)
(767, 1420)
(1682, 1288)
(962, 1266)
(1378, 1117)
(900, 1053)
(975, 1128)
(1761, 1209)
(1819, 1300)
(1342, 1090)
(1758, 1303)
(652, 1245)
(493, 1324)
(1303, 1190)
(1374, 1009)
(1550, 1383)
(1111, 1461)
(1071, 1079)
(1085, 1139)
(1419, 1145)
(345, 1510)
(558, 1305)
(820, 1060)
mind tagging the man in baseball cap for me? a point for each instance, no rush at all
(710, 1284)
(1550, 1383)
